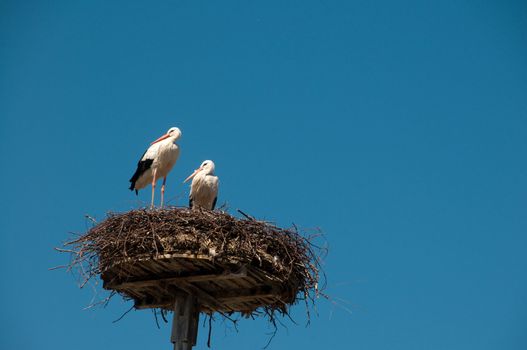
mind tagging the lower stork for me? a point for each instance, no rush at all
(204, 187)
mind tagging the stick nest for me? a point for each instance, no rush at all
(281, 266)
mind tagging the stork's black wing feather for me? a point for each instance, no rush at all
(190, 202)
(214, 203)
(142, 166)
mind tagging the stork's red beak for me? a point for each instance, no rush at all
(192, 175)
(160, 139)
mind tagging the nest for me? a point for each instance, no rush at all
(229, 264)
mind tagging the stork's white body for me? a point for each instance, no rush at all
(204, 187)
(164, 155)
(157, 162)
(204, 191)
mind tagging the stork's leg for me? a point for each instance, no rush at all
(153, 188)
(163, 191)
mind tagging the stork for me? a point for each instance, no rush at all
(204, 187)
(156, 163)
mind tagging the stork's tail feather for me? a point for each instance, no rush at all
(133, 180)
(132, 186)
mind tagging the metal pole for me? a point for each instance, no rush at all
(185, 322)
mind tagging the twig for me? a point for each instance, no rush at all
(120, 318)
(210, 331)
(246, 215)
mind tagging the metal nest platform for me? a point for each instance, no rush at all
(218, 286)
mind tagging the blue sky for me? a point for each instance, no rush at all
(399, 128)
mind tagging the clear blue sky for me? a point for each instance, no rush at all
(399, 128)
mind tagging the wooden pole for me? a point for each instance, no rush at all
(185, 323)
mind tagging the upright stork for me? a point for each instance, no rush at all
(156, 163)
(204, 187)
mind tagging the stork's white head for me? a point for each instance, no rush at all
(174, 133)
(206, 168)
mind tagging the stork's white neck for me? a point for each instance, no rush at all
(208, 170)
(170, 139)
